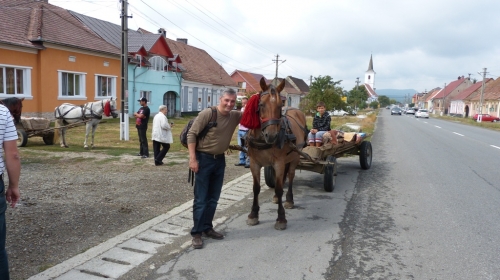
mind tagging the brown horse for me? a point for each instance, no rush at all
(15, 106)
(272, 141)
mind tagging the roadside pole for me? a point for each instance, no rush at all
(480, 115)
(124, 120)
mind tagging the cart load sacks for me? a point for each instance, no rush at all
(35, 123)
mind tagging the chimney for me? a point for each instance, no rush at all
(182, 40)
(163, 32)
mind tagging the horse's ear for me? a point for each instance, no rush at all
(281, 86)
(263, 84)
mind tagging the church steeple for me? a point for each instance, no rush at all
(370, 74)
(370, 66)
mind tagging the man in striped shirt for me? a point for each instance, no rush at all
(12, 162)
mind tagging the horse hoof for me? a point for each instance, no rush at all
(280, 226)
(275, 199)
(289, 205)
(86, 147)
(253, 222)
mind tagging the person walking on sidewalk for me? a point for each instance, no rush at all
(207, 161)
(141, 123)
(162, 135)
(242, 131)
(12, 162)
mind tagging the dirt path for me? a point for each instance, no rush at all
(71, 202)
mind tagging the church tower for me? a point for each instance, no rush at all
(370, 75)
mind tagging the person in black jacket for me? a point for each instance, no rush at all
(141, 123)
(321, 124)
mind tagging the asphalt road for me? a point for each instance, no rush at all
(427, 209)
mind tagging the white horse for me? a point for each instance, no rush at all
(91, 113)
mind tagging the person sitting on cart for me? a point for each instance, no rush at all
(321, 125)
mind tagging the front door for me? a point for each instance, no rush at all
(169, 101)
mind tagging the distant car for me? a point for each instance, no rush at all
(387, 107)
(338, 113)
(410, 111)
(395, 111)
(422, 113)
(486, 118)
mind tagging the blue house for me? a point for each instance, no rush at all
(154, 71)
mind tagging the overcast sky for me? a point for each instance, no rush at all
(419, 44)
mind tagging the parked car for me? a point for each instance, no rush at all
(486, 118)
(338, 113)
(410, 111)
(422, 113)
(396, 111)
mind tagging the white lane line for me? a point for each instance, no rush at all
(495, 147)
(458, 134)
(437, 126)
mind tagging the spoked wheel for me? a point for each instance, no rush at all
(330, 173)
(270, 176)
(365, 155)
(22, 138)
(48, 139)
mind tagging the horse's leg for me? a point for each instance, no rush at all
(253, 217)
(289, 204)
(278, 190)
(94, 127)
(63, 137)
(87, 130)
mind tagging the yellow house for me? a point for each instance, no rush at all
(49, 57)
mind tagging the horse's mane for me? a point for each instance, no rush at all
(11, 101)
(250, 118)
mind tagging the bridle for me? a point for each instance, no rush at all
(265, 122)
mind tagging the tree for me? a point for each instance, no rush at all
(326, 90)
(374, 104)
(357, 96)
(384, 101)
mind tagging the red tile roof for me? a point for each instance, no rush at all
(491, 91)
(252, 80)
(370, 91)
(200, 66)
(470, 90)
(31, 23)
(449, 88)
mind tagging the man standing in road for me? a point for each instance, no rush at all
(8, 144)
(207, 161)
(242, 131)
(141, 123)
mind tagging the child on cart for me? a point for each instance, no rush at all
(321, 125)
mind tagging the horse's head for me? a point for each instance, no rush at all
(15, 106)
(110, 108)
(270, 110)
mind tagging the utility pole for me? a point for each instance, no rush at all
(278, 60)
(310, 80)
(357, 83)
(442, 101)
(480, 117)
(124, 120)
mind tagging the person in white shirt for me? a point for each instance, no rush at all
(162, 135)
(12, 163)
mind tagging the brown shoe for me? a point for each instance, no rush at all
(197, 241)
(213, 234)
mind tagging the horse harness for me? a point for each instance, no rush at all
(83, 108)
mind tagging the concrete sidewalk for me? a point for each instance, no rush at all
(119, 255)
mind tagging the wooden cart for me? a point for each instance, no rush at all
(323, 160)
(38, 127)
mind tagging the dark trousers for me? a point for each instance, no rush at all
(4, 264)
(207, 189)
(160, 153)
(143, 141)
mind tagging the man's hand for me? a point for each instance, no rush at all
(12, 195)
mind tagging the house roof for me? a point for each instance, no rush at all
(491, 91)
(200, 66)
(252, 80)
(32, 23)
(431, 94)
(370, 91)
(449, 88)
(299, 84)
(289, 88)
(470, 90)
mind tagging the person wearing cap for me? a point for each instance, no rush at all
(141, 123)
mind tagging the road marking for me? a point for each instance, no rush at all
(437, 126)
(495, 147)
(425, 122)
(458, 134)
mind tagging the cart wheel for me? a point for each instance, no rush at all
(330, 174)
(365, 155)
(270, 176)
(22, 138)
(48, 139)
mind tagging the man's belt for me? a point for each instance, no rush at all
(212, 155)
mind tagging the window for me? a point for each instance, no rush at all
(105, 86)
(71, 85)
(147, 94)
(15, 81)
(158, 63)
